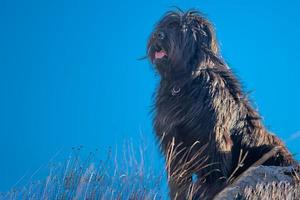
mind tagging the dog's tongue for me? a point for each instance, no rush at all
(160, 54)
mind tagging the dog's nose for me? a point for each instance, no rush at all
(160, 35)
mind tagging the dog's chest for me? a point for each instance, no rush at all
(170, 113)
(183, 115)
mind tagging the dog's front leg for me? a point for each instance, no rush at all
(179, 189)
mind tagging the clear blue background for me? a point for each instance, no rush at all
(70, 74)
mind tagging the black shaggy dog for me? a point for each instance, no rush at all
(208, 130)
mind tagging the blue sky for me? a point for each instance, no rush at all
(70, 74)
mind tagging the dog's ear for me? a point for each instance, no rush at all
(208, 37)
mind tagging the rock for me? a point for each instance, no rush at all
(264, 182)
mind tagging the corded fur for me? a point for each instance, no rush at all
(200, 103)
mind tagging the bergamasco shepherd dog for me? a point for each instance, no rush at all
(208, 130)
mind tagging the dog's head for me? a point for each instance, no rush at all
(180, 42)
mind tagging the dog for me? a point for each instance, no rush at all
(208, 130)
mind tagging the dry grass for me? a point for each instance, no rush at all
(184, 164)
(121, 175)
(127, 174)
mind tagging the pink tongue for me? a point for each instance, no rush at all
(160, 54)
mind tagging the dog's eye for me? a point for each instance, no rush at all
(160, 35)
